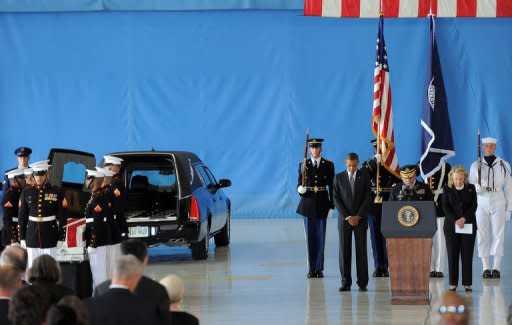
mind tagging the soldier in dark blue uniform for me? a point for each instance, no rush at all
(42, 215)
(10, 204)
(23, 156)
(117, 189)
(385, 183)
(97, 229)
(315, 202)
(410, 189)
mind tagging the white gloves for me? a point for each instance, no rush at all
(508, 213)
(15, 244)
(91, 250)
(301, 189)
(378, 157)
(61, 244)
(23, 244)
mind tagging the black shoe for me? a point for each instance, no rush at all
(311, 274)
(453, 289)
(377, 273)
(433, 274)
(439, 274)
(496, 274)
(468, 289)
(487, 274)
(319, 274)
(363, 289)
(345, 287)
(385, 274)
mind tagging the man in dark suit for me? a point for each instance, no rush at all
(147, 289)
(118, 305)
(10, 281)
(352, 196)
(315, 189)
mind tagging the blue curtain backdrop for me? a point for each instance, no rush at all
(240, 88)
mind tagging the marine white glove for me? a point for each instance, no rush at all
(15, 244)
(91, 250)
(23, 244)
(301, 189)
(378, 157)
(61, 244)
(507, 216)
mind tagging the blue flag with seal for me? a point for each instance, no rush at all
(436, 132)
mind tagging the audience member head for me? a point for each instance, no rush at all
(175, 288)
(137, 248)
(15, 256)
(10, 280)
(61, 315)
(29, 306)
(44, 268)
(127, 272)
(457, 177)
(453, 309)
(73, 302)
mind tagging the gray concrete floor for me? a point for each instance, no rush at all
(261, 279)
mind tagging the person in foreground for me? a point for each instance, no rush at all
(453, 310)
(176, 290)
(459, 205)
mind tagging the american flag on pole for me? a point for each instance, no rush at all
(436, 131)
(382, 111)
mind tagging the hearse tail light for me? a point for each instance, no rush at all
(193, 213)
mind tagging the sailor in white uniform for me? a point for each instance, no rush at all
(494, 193)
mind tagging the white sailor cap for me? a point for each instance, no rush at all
(489, 140)
(40, 166)
(94, 173)
(112, 160)
(28, 171)
(105, 171)
(15, 173)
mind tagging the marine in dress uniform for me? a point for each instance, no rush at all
(97, 229)
(29, 177)
(386, 182)
(42, 215)
(116, 190)
(10, 205)
(436, 183)
(494, 196)
(409, 188)
(315, 202)
(23, 156)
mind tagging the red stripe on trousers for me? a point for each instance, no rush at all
(503, 8)
(424, 7)
(313, 8)
(466, 8)
(391, 8)
(350, 8)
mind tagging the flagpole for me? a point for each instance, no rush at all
(378, 197)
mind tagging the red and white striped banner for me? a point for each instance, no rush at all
(408, 8)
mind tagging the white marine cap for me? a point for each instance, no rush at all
(112, 160)
(489, 140)
(28, 171)
(40, 166)
(15, 172)
(94, 173)
(105, 171)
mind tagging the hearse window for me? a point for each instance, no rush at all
(210, 175)
(157, 180)
(204, 176)
(73, 173)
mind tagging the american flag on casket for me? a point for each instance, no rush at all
(75, 243)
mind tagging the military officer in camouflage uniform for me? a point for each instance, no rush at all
(10, 204)
(409, 188)
(42, 215)
(315, 202)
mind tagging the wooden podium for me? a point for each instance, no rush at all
(408, 227)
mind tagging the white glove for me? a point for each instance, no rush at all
(378, 157)
(301, 189)
(91, 250)
(507, 217)
(61, 244)
(23, 244)
(15, 244)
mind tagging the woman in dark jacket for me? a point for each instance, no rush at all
(459, 205)
(45, 272)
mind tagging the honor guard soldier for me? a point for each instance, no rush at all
(23, 156)
(494, 196)
(97, 229)
(114, 249)
(436, 183)
(29, 177)
(381, 189)
(315, 185)
(410, 189)
(10, 204)
(42, 215)
(113, 164)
